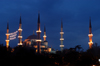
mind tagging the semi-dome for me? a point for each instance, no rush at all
(32, 37)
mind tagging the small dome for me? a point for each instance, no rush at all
(45, 41)
(32, 37)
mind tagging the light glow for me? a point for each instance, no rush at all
(44, 36)
(6, 40)
(38, 40)
(35, 46)
(19, 29)
(42, 46)
(61, 38)
(61, 32)
(99, 60)
(90, 34)
(61, 45)
(38, 31)
(49, 49)
(19, 43)
(7, 34)
(19, 36)
(90, 42)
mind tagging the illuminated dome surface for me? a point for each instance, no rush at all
(32, 37)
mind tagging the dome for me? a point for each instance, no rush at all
(32, 37)
(45, 41)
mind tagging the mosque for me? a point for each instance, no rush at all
(35, 40)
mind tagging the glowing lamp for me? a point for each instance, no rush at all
(38, 40)
(7, 33)
(99, 61)
(19, 36)
(19, 29)
(38, 31)
(42, 46)
(90, 42)
(19, 43)
(44, 36)
(61, 32)
(49, 49)
(90, 34)
(6, 40)
(35, 46)
(61, 38)
(61, 45)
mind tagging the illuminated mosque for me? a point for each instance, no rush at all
(36, 41)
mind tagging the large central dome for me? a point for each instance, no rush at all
(32, 37)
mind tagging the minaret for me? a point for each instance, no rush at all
(44, 34)
(38, 35)
(45, 42)
(20, 33)
(90, 35)
(61, 39)
(7, 36)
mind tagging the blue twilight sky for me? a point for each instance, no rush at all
(74, 13)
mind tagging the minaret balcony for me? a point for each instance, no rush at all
(90, 34)
(44, 36)
(19, 29)
(7, 34)
(61, 32)
(61, 45)
(6, 40)
(39, 40)
(38, 31)
(61, 38)
(19, 36)
(19, 43)
(90, 42)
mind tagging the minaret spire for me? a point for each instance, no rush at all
(7, 25)
(61, 39)
(20, 33)
(90, 34)
(38, 35)
(38, 20)
(20, 20)
(90, 27)
(44, 29)
(7, 36)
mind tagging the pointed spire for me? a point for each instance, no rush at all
(20, 20)
(38, 16)
(61, 23)
(90, 27)
(39, 20)
(44, 29)
(90, 23)
(7, 25)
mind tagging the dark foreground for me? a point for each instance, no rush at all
(23, 56)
